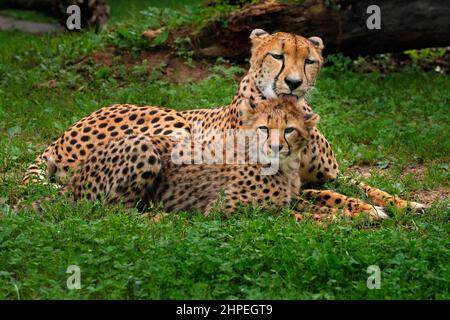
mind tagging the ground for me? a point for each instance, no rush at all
(391, 128)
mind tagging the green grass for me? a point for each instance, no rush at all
(396, 120)
(251, 256)
(123, 10)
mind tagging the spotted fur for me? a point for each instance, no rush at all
(319, 163)
(138, 170)
(282, 64)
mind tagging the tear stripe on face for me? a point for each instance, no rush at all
(275, 80)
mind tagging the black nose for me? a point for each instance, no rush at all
(293, 84)
(276, 147)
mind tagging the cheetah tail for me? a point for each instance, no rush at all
(383, 199)
(37, 170)
(34, 172)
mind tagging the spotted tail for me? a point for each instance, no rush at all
(38, 171)
(383, 199)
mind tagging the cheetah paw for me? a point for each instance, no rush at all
(417, 208)
(380, 212)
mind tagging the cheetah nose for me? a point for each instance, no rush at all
(292, 83)
(276, 147)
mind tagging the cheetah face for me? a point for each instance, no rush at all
(285, 64)
(282, 130)
(282, 135)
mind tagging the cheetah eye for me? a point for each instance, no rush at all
(309, 61)
(289, 130)
(263, 128)
(277, 56)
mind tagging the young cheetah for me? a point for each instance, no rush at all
(139, 169)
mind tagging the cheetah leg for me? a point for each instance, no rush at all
(318, 214)
(382, 199)
(327, 201)
(321, 215)
(318, 163)
(136, 194)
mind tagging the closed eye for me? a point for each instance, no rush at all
(309, 61)
(277, 56)
(263, 128)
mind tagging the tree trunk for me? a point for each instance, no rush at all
(405, 24)
(94, 13)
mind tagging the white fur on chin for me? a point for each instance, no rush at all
(269, 93)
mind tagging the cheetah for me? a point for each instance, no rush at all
(140, 169)
(281, 64)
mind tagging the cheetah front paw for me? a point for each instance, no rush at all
(416, 207)
(380, 212)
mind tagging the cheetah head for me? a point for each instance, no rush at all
(284, 63)
(280, 126)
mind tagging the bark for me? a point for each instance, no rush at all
(94, 13)
(405, 24)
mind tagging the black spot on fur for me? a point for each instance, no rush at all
(146, 175)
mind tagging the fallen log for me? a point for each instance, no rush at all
(94, 13)
(342, 24)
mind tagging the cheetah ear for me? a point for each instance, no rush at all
(310, 120)
(258, 35)
(317, 42)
